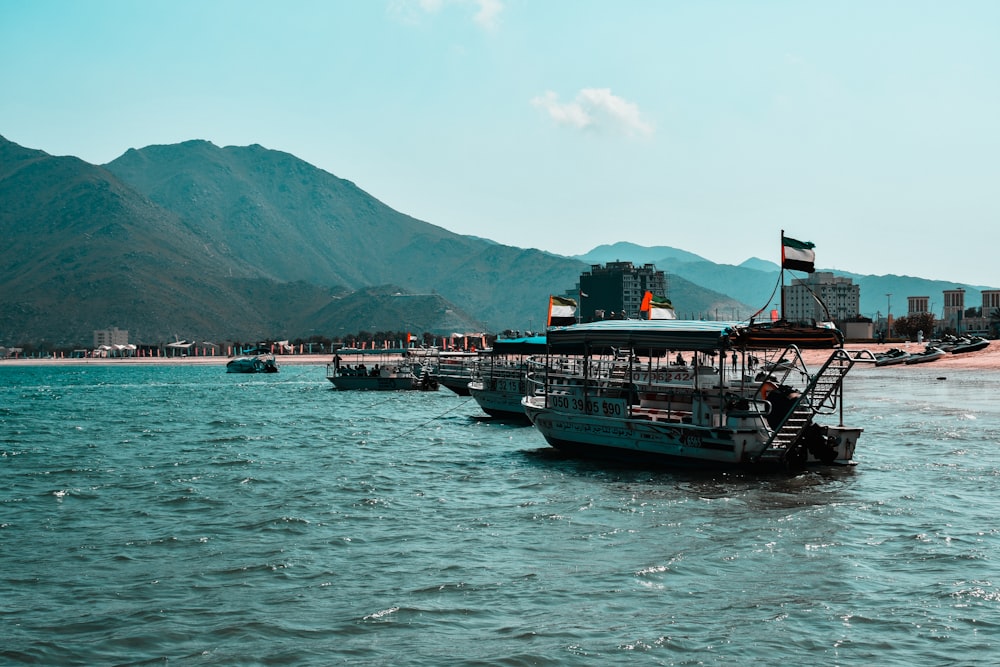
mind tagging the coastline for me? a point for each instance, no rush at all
(982, 360)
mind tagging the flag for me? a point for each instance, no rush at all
(562, 311)
(646, 300)
(661, 309)
(797, 255)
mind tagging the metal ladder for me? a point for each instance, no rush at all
(821, 396)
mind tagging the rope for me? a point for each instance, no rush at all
(420, 426)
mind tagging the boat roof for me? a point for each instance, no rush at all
(694, 335)
(523, 345)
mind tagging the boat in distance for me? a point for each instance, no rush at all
(388, 377)
(261, 363)
(615, 390)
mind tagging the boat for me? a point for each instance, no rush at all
(397, 375)
(803, 335)
(973, 344)
(615, 390)
(499, 378)
(930, 353)
(891, 357)
(453, 370)
(260, 363)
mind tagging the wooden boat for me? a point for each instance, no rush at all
(930, 353)
(892, 357)
(499, 379)
(261, 363)
(609, 390)
(390, 377)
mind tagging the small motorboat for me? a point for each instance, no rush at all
(931, 353)
(261, 363)
(891, 357)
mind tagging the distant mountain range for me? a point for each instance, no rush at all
(195, 241)
(752, 281)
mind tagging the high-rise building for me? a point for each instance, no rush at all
(805, 298)
(615, 290)
(112, 336)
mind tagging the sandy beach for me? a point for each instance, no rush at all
(981, 360)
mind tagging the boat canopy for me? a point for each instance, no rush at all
(642, 336)
(523, 345)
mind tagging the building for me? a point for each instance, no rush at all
(991, 301)
(954, 308)
(110, 337)
(917, 305)
(805, 298)
(607, 291)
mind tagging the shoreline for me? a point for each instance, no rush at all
(981, 360)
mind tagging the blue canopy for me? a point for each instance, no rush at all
(643, 335)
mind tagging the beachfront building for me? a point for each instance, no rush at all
(805, 298)
(954, 308)
(110, 337)
(917, 305)
(615, 290)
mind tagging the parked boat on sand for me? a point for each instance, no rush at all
(608, 389)
(930, 353)
(892, 357)
(973, 344)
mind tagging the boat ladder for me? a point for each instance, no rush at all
(821, 396)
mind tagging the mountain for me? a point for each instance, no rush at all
(241, 243)
(83, 251)
(272, 215)
(637, 254)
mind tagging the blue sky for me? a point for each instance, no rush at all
(871, 128)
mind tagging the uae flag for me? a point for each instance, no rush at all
(657, 308)
(562, 311)
(797, 255)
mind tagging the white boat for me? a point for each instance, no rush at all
(499, 379)
(892, 357)
(400, 375)
(930, 353)
(260, 363)
(608, 389)
(452, 369)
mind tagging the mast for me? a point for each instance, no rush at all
(782, 281)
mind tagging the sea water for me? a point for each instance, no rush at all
(182, 515)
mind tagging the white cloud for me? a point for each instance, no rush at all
(595, 108)
(487, 12)
(488, 15)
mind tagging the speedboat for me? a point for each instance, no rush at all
(261, 363)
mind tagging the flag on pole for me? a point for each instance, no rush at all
(657, 308)
(562, 311)
(797, 255)
(661, 309)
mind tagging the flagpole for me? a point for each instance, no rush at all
(782, 242)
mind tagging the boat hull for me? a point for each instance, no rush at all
(363, 383)
(636, 441)
(503, 402)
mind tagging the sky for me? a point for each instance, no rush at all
(868, 127)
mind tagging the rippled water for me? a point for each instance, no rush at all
(183, 515)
